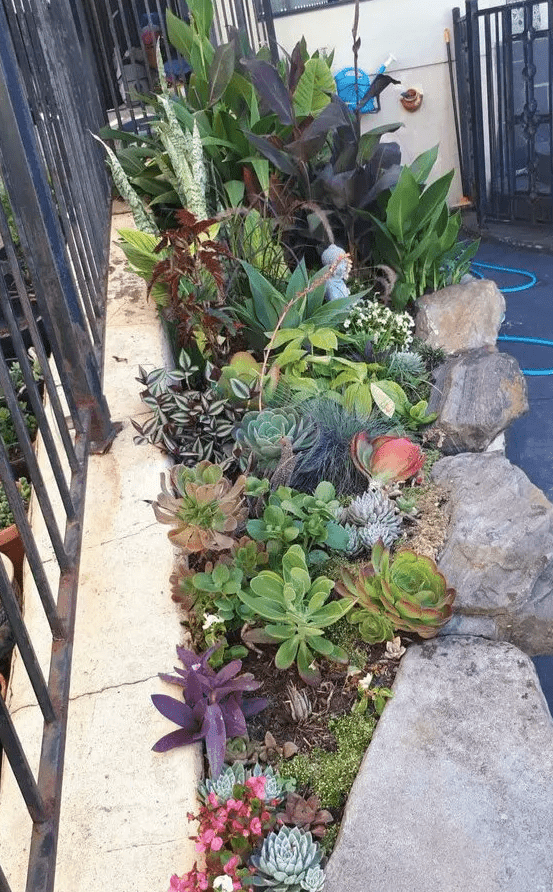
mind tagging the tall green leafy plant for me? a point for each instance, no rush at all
(418, 236)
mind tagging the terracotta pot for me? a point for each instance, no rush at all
(12, 546)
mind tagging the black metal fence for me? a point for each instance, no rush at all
(124, 35)
(54, 231)
(505, 62)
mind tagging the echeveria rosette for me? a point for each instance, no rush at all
(260, 435)
(289, 861)
(408, 592)
(203, 506)
(386, 459)
(213, 707)
(297, 613)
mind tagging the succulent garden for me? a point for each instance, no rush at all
(285, 251)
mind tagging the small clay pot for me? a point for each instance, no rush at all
(411, 100)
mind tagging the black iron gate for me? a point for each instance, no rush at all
(504, 68)
(54, 243)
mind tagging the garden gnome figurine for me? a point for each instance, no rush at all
(336, 285)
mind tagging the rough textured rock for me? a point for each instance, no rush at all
(456, 790)
(461, 317)
(499, 547)
(477, 395)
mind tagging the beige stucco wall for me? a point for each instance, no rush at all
(412, 31)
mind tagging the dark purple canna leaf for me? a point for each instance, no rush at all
(215, 735)
(271, 88)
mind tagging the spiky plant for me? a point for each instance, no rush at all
(203, 506)
(329, 457)
(368, 518)
(190, 423)
(259, 436)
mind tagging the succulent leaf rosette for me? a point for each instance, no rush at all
(386, 459)
(289, 861)
(260, 433)
(203, 506)
(409, 592)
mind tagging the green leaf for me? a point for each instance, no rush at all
(286, 654)
(337, 537)
(421, 166)
(312, 93)
(221, 71)
(369, 141)
(324, 339)
(402, 204)
(431, 201)
(202, 13)
(310, 674)
(261, 167)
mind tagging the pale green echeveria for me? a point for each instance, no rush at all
(259, 436)
(289, 861)
(276, 787)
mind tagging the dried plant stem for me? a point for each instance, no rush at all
(320, 280)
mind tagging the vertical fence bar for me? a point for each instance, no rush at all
(43, 245)
(473, 43)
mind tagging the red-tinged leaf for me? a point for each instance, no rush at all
(215, 735)
(175, 710)
(174, 739)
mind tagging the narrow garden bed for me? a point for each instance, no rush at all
(286, 252)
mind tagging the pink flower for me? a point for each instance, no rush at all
(216, 844)
(257, 785)
(255, 826)
(212, 799)
(232, 864)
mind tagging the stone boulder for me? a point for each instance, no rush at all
(477, 395)
(456, 790)
(461, 317)
(499, 548)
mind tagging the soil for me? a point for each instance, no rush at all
(335, 696)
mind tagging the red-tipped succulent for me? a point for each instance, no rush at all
(386, 459)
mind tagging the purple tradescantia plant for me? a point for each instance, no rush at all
(213, 707)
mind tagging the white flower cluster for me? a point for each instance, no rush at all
(383, 326)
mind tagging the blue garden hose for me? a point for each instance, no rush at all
(532, 279)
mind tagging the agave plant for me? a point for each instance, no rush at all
(213, 707)
(297, 612)
(203, 506)
(190, 423)
(408, 592)
(259, 435)
(289, 861)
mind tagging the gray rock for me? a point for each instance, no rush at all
(461, 317)
(499, 547)
(477, 395)
(456, 790)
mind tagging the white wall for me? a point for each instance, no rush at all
(411, 30)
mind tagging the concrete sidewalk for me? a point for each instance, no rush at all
(124, 809)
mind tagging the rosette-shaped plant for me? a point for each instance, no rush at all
(203, 506)
(276, 787)
(408, 591)
(260, 433)
(297, 612)
(289, 861)
(386, 459)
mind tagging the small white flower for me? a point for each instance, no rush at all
(211, 619)
(223, 883)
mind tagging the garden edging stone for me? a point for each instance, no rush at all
(456, 789)
(461, 759)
